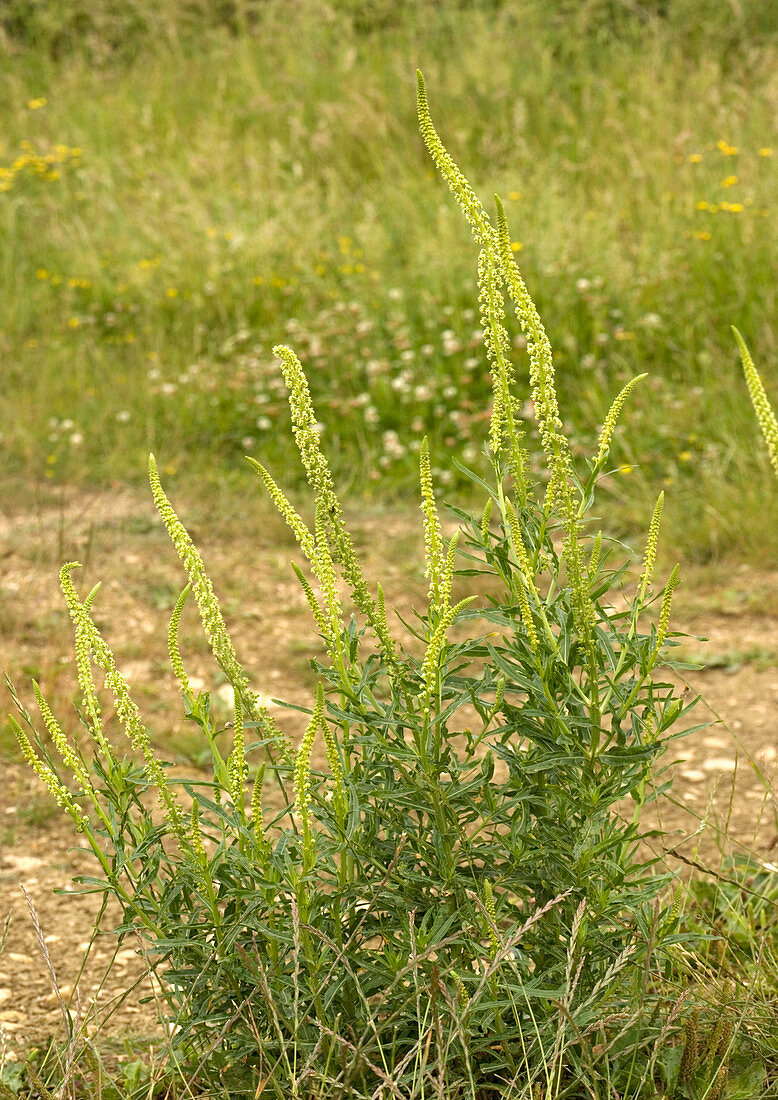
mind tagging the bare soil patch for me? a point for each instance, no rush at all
(722, 773)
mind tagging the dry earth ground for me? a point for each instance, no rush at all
(120, 541)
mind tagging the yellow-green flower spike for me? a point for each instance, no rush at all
(499, 695)
(352, 572)
(210, 611)
(319, 476)
(69, 755)
(89, 701)
(47, 776)
(578, 582)
(257, 820)
(664, 616)
(462, 998)
(208, 605)
(176, 661)
(490, 296)
(236, 763)
(306, 437)
(492, 309)
(313, 603)
(526, 579)
(342, 545)
(195, 836)
(324, 571)
(491, 910)
(649, 558)
(381, 609)
(460, 188)
(435, 645)
(90, 599)
(302, 778)
(594, 560)
(542, 380)
(611, 419)
(126, 710)
(333, 759)
(447, 574)
(762, 407)
(300, 531)
(433, 536)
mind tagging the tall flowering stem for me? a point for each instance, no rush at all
(211, 614)
(49, 778)
(302, 779)
(319, 476)
(541, 370)
(504, 426)
(649, 558)
(565, 497)
(93, 646)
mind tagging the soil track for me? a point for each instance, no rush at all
(722, 773)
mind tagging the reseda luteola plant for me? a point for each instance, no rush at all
(454, 902)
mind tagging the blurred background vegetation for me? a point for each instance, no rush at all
(185, 184)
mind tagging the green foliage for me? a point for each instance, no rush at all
(439, 888)
(115, 29)
(108, 29)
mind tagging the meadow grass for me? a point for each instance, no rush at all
(177, 196)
